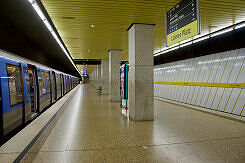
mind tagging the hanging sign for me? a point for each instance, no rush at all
(183, 21)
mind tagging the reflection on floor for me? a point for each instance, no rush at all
(92, 129)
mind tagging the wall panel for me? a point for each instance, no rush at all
(190, 81)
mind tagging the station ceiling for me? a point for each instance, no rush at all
(74, 20)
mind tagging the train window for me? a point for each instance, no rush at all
(15, 84)
(27, 86)
(58, 82)
(48, 82)
(40, 82)
(61, 82)
(44, 89)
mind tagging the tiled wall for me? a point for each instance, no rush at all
(194, 76)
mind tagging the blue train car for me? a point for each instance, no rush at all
(27, 89)
(15, 95)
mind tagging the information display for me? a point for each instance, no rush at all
(124, 86)
(183, 21)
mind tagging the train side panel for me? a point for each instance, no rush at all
(59, 86)
(12, 95)
(44, 88)
(27, 95)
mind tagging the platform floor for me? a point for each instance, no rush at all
(91, 129)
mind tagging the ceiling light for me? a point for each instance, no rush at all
(186, 44)
(88, 50)
(185, 41)
(48, 25)
(39, 12)
(157, 54)
(240, 26)
(221, 32)
(31, 1)
(177, 47)
(201, 39)
(55, 36)
(46, 22)
(92, 26)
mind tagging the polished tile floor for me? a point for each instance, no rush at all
(92, 129)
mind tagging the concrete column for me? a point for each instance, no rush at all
(105, 76)
(98, 76)
(114, 74)
(95, 77)
(141, 89)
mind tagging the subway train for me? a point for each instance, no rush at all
(27, 88)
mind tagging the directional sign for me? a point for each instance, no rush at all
(183, 21)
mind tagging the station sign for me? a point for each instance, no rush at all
(183, 21)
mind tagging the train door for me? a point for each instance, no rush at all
(33, 90)
(12, 95)
(54, 87)
(63, 82)
(1, 120)
(27, 95)
(62, 85)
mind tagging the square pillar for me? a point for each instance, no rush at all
(105, 76)
(95, 77)
(141, 88)
(98, 71)
(114, 74)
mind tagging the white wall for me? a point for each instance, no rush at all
(225, 67)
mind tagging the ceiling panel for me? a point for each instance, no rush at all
(73, 20)
(90, 68)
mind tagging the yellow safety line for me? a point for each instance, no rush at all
(220, 79)
(169, 89)
(188, 78)
(235, 81)
(214, 80)
(207, 80)
(180, 87)
(241, 89)
(207, 84)
(202, 84)
(202, 80)
(192, 80)
(197, 79)
(167, 76)
(228, 80)
(173, 89)
(242, 109)
(179, 80)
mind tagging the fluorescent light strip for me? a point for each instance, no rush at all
(201, 39)
(48, 25)
(221, 60)
(39, 12)
(186, 44)
(170, 67)
(45, 21)
(240, 26)
(189, 41)
(221, 32)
